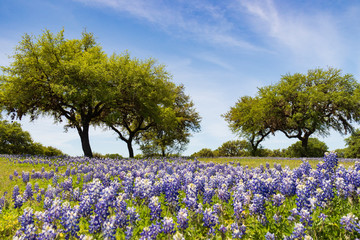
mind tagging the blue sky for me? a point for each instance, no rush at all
(219, 50)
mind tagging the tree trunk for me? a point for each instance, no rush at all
(130, 148)
(85, 141)
(163, 152)
(304, 144)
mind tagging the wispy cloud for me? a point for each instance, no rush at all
(314, 35)
(201, 19)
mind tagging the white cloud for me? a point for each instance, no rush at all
(202, 20)
(314, 37)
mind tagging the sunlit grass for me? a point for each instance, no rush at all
(256, 162)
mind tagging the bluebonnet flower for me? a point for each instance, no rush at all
(19, 201)
(85, 208)
(28, 193)
(27, 218)
(155, 208)
(210, 218)
(223, 229)
(76, 194)
(257, 205)
(120, 204)
(133, 215)
(109, 229)
(67, 172)
(47, 233)
(299, 231)
(54, 212)
(305, 217)
(67, 184)
(38, 197)
(238, 232)
(47, 203)
(191, 196)
(95, 223)
(128, 232)
(277, 218)
(278, 199)
(238, 209)
(70, 219)
(145, 234)
(16, 173)
(25, 177)
(223, 193)
(331, 161)
(350, 222)
(171, 188)
(121, 219)
(182, 218)
(29, 233)
(36, 187)
(16, 192)
(128, 183)
(209, 192)
(322, 216)
(151, 232)
(288, 187)
(269, 236)
(168, 225)
(11, 177)
(178, 236)
(303, 194)
(143, 188)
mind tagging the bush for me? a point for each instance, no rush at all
(315, 148)
(13, 140)
(235, 148)
(205, 152)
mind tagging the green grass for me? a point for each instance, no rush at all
(256, 162)
(9, 217)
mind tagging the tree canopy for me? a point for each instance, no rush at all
(75, 81)
(166, 137)
(299, 105)
(13, 140)
(61, 78)
(248, 119)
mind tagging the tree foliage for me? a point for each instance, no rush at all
(166, 137)
(234, 148)
(62, 78)
(13, 140)
(205, 152)
(299, 105)
(352, 149)
(303, 104)
(315, 148)
(74, 80)
(248, 119)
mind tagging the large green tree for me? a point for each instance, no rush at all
(234, 148)
(352, 149)
(57, 77)
(166, 137)
(248, 119)
(14, 140)
(144, 100)
(299, 105)
(304, 104)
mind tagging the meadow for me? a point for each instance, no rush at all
(222, 198)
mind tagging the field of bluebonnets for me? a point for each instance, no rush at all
(70, 198)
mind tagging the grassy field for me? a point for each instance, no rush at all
(256, 162)
(9, 218)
